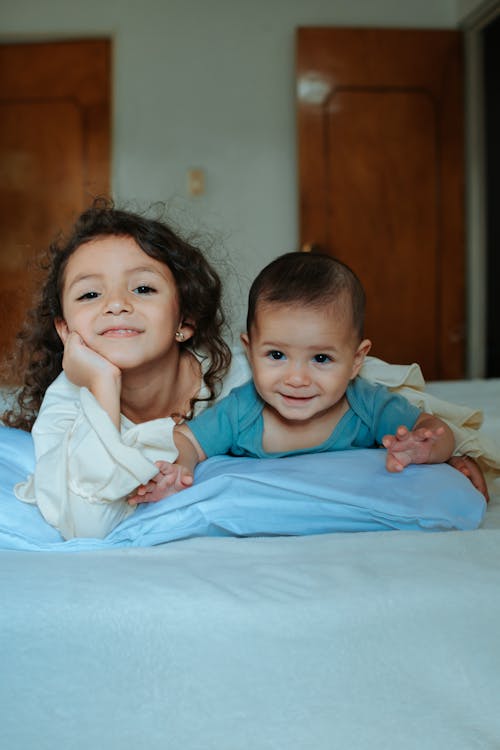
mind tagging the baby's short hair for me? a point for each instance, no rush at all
(310, 279)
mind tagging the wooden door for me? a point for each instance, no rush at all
(54, 155)
(381, 181)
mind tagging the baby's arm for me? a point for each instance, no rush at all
(430, 441)
(172, 478)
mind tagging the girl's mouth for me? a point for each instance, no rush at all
(120, 332)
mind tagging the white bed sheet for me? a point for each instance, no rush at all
(368, 641)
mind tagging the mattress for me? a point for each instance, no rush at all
(356, 640)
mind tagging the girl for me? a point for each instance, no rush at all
(124, 342)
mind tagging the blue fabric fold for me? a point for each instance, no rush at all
(345, 491)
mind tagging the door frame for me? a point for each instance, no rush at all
(475, 199)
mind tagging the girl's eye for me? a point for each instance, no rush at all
(88, 295)
(322, 358)
(276, 355)
(144, 289)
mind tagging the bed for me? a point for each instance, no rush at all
(377, 632)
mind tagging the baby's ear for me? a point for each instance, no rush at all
(359, 356)
(245, 340)
(62, 329)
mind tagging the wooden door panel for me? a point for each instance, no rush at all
(45, 161)
(391, 182)
(54, 155)
(381, 181)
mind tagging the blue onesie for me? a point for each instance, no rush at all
(235, 424)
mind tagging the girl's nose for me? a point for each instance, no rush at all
(117, 303)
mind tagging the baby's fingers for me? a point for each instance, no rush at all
(183, 480)
(164, 467)
(173, 478)
(143, 490)
(401, 436)
(392, 464)
(424, 433)
(141, 495)
(402, 432)
(388, 441)
(170, 479)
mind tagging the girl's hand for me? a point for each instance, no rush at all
(170, 479)
(410, 447)
(87, 369)
(84, 366)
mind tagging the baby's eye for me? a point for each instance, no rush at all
(144, 289)
(322, 358)
(276, 355)
(88, 295)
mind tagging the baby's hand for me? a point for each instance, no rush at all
(170, 479)
(410, 447)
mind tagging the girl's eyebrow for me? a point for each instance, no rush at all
(90, 276)
(82, 277)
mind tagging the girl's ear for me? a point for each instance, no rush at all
(62, 329)
(359, 357)
(186, 330)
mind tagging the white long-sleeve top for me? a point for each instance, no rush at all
(85, 467)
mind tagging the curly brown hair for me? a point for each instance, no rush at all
(37, 359)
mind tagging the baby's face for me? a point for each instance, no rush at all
(303, 358)
(123, 303)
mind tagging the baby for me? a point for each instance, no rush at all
(305, 347)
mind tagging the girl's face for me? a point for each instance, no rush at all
(123, 303)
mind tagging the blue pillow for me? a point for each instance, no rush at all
(319, 493)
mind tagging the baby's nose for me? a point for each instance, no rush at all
(298, 375)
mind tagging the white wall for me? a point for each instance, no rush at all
(210, 84)
(464, 8)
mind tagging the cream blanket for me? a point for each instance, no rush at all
(464, 421)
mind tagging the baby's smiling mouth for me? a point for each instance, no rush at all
(296, 399)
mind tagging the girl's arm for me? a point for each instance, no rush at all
(87, 369)
(85, 468)
(430, 441)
